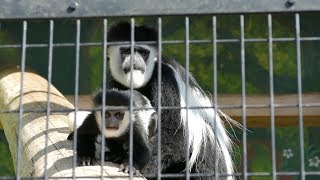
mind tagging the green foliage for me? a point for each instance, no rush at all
(259, 163)
(6, 167)
(7, 54)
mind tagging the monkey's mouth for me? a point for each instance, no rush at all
(127, 70)
(109, 129)
(113, 126)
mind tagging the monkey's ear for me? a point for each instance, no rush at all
(153, 125)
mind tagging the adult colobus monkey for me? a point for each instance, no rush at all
(116, 129)
(199, 128)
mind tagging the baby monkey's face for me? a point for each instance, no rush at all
(113, 119)
(116, 121)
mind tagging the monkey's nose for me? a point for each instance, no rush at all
(127, 69)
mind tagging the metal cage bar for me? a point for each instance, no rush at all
(271, 82)
(104, 86)
(159, 108)
(299, 84)
(51, 28)
(232, 40)
(187, 58)
(23, 63)
(243, 90)
(258, 106)
(76, 93)
(132, 43)
(215, 91)
(102, 8)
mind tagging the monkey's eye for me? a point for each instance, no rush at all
(108, 114)
(144, 52)
(117, 114)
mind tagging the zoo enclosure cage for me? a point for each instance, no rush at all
(27, 11)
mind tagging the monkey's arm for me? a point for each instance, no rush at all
(141, 152)
(86, 136)
(116, 153)
(141, 149)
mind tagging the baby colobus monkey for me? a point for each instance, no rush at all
(199, 130)
(116, 130)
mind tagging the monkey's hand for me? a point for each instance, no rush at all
(124, 167)
(85, 150)
(85, 161)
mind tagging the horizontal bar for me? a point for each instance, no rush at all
(258, 106)
(87, 44)
(282, 173)
(40, 9)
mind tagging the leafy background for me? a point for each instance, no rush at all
(201, 65)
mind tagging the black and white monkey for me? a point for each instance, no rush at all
(116, 130)
(199, 128)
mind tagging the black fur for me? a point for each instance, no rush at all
(173, 145)
(113, 98)
(119, 146)
(122, 32)
(173, 142)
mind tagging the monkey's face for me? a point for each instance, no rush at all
(143, 60)
(113, 119)
(116, 122)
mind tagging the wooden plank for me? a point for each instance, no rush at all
(258, 117)
(284, 116)
(33, 130)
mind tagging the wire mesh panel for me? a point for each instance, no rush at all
(257, 61)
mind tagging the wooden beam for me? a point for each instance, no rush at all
(33, 129)
(258, 109)
(258, 117)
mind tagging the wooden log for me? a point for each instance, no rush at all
(33, 130)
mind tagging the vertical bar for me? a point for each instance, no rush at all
(76, 97)
(48, 95)
(131, 99)
(187, 42)
(298, 46)
(272, 118)
(243, 84)
(159, 97)
(104, 84)
(23, 62)
(215, 92)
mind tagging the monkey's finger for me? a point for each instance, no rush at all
(126, 169)
(121, 168)
(136, 172)
(83, 162)
(88, 161)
